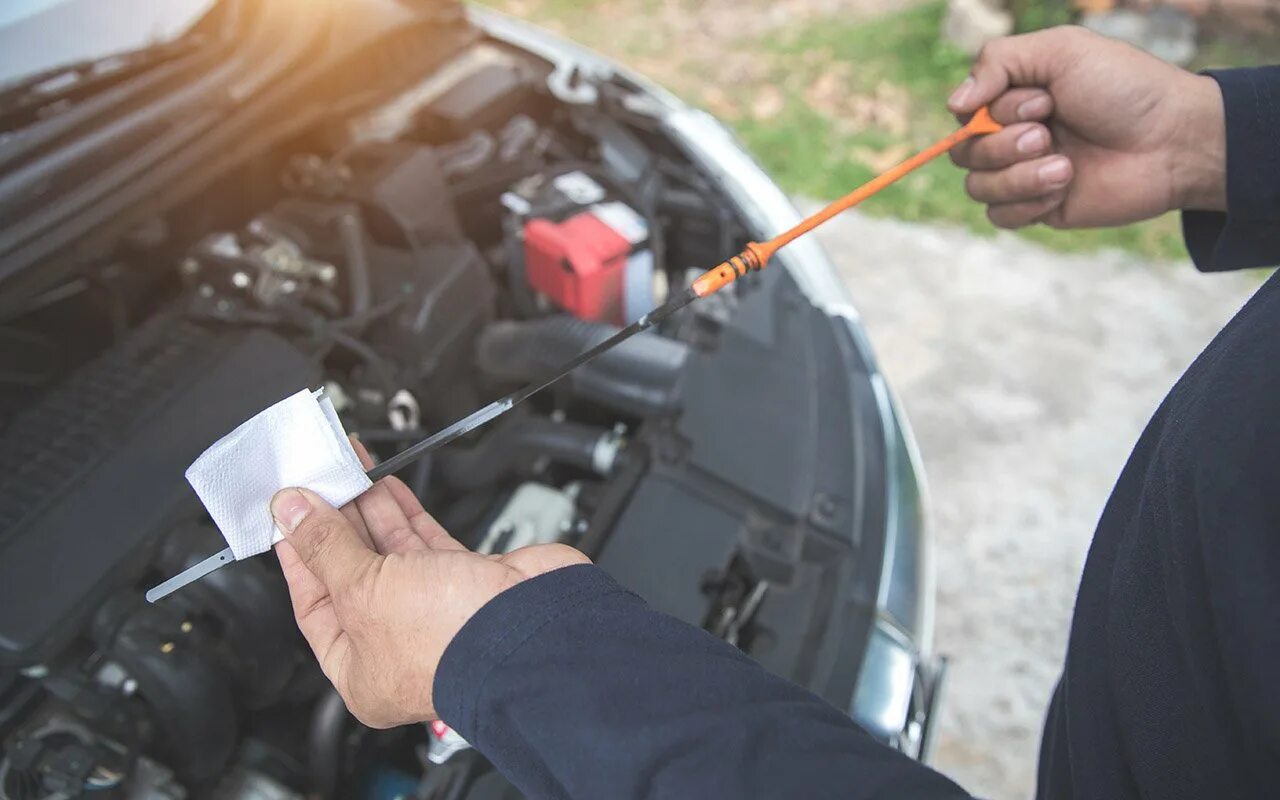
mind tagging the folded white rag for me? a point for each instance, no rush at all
(296, 442)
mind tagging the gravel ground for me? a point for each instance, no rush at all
(1027, 376)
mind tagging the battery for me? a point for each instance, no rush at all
(589, 253)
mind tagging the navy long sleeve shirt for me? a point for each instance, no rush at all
(574, 688)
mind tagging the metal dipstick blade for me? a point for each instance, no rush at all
(191, 575)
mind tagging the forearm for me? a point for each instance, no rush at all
(574, 688)
(1246, 231)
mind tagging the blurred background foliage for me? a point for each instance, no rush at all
(1032, 15)
(827, 93)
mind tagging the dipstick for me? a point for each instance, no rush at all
(753, 258)
(757, 255)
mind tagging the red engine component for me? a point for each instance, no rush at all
(593, 269)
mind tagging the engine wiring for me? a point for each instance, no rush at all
(755, 257)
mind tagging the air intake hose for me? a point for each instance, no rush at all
(639, 377)
(523, 438)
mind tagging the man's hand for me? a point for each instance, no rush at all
(379, 590)
(1098, 133)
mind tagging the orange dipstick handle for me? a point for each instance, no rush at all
(757, 255)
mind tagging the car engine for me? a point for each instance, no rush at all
(416, 261)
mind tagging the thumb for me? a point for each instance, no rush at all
(1032, 59)
(324, 539)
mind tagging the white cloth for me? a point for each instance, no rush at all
(296, 442)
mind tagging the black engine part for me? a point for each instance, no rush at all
(482, 101)
(403, 192)
(641, 376)
(771, 475)
(725, 468)
(193, 705)
(450, 298)
(239, 617)
(523, 437)
(72, 466)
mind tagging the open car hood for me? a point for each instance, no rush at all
(112, 161)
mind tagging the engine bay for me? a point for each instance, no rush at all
(417, 261)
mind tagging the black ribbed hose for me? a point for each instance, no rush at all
(639, 377)
(522, 438)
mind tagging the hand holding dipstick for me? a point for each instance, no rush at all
(755, 257)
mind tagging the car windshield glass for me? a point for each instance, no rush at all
(40, 36)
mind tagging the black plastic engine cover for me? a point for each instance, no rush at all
(775, 466)
(92, 474)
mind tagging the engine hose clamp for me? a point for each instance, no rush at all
(604, 455)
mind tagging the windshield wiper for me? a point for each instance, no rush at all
(28, 100)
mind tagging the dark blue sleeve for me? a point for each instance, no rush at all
(574, 688)
(1248, 235)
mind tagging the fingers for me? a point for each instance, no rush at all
(1032, 59)
(388, 525)
(1004, 149)
(1022, 105)
(389, 528)
(394, 516)
(1017, 110)
(1028, 180)
(1014, 171)
(352, 513)
(361, 451)
(325, 541)
(431, 533)
(538, 559)
(1020, 215)
(350, 510)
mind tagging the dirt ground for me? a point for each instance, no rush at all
(1027, 375)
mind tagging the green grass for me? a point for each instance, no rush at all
(803, 151)
(823, 150)
(1032, 15)
(808, 155)
(903, 47)
(1231, 50)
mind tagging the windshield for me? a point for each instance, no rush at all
(40, 35)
